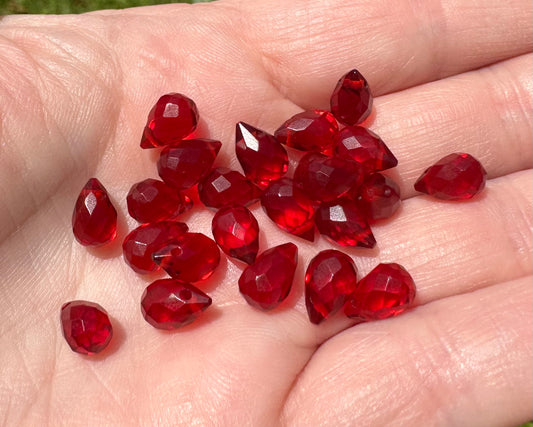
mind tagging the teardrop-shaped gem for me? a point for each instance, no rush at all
(224, 187)
(351, 100)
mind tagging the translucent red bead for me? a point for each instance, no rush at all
(351, 101)
(378, 197)
(223, 187)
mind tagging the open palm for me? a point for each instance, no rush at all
(447, 75)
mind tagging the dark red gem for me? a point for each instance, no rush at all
(330, 279)
(190, 258)
(141, 243)
(86, 326)
(458, 176)
(289, 208)
(94, 220)
(351, 101)
(384, 292)
(170, 304)
(236, 231)
(185, 164)
(172, 118)
(378, 197)
(267, 282)
(261, 156)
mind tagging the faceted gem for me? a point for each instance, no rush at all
(185, 164)
(330, 279)
(190, 258)
(458, 176)
(172, 118)
(236, 231)
(378, 197)
(152, 200)
(351, 101)
(364, 147)
(141, 243)
(267, 282)
(384, 292)
(343, 223)
(223, 187)
(312, 130)
(325, 178)
(86, 326)
(94, 220)
(170, 304)
(289, 208)
(261, 156)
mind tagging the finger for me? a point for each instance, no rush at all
(464, 360)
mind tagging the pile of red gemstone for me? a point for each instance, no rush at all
(337, 188)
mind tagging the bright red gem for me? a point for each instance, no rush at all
(224, 187)
(236, 231)
(261, 156)
(289, 208)
(458, 176)
(364, 147)
(384, 292)
(94, 220)
(351, 101)
(267, 282)
(152, 200)
(86, 327)
(170, 304)
(325, 178)
(343, 223)
(312, 130)
(141, 243)
(190, 258)
(378, 197)
(185, 164)
(330, 279)
(172, 118)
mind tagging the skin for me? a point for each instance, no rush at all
(447, 76)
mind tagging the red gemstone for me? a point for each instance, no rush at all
(187, 163)
(172, 118)
(378, 197)
(267, 282)
(94, 220)
(170, 304)
(312, 130)
(325, 178)
(152, 200)
(224, 187)
(351, 101)
(364, 147)
(343, 223)
(190, 258)
(458, 176)
(261, 156)
(289, 208)
(141, 243)
(384, 292)
(236, 231)
(330, 279)
(86, 326)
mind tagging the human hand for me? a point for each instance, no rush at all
(447, 76)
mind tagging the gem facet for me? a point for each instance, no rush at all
(458, 176)
(261, 156)
(329, 280)
(267, 282)
(170, 304)
(289, 208)
(384, 292)
(351, 101)
(190, 258)
(312, 130)
(236, 231)
(185, 164)
(86, 326)
(94, 220)
(378, 197)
